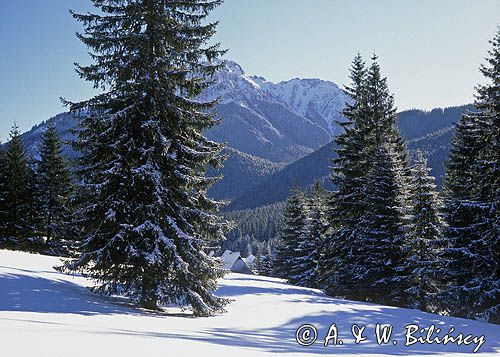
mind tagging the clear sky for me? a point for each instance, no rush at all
(429, 49)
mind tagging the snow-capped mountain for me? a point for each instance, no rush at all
(232, 85)
(265, 128)
(280, 122)
(317, 100)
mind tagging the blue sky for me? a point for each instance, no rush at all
(429, 49)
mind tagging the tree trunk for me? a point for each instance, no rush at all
(150, 304)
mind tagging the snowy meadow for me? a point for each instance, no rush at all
(56, 313)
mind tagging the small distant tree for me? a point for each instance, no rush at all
(3, 196)
(309, 248)
(54, 187)
(424, 238)
(264, 261)
(290, 236)
(19, 199)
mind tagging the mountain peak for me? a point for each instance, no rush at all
(317, 100)
(233, 67)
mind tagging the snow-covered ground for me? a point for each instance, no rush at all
(45, 313)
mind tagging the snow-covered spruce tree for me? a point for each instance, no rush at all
(19, 198)
(54, 187)
(290, 236)
(382, 115)
(380, 235)
(348, 174)
(144, 212)
(264, 261)
(460, 214)
(472, 193)
(373, 127)
(3, 196)
(378, 256)
(424, 239)
(310, 247)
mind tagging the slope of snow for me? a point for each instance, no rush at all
(45, 313)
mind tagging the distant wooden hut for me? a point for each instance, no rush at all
(235, 263)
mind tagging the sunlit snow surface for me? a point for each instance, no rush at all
(45, 313)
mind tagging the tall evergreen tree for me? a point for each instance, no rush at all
(378, 254)
(348, 174)
(54, 185)
(19, 197)
(290, 236)
(371, 129)
(472, 201)
(460, 213)
(425, 238)
(381, 115)
(3, 194)
(310, 247)
(349, 170)
(144, 212)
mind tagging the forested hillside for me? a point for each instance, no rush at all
(430, 132)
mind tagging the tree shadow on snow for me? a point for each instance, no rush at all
(229, 291)
(343, 313)
(19, 292)
(276, 288)
(281, 339)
